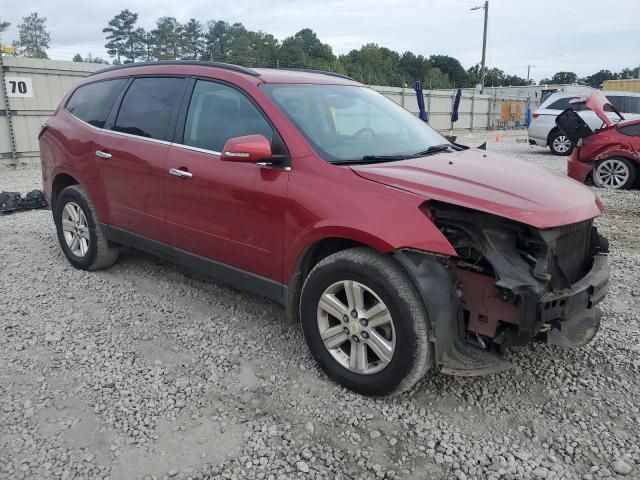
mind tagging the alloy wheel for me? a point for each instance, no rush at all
(356, 327)
(612, 173)
(561, 144)
(75, 229)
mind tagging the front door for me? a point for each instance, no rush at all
(131, 155)
(229, 212)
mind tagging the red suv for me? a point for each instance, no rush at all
(398, 251)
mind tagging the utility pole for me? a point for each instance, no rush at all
(529, 95)
(484, 42)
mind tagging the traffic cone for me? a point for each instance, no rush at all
(497, 137)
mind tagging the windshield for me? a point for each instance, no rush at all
(352, 123)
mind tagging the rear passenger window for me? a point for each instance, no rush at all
(217, 113)
(560, 104)
(632, 105)
(92, 103)
(617, 102)
(631, 130)
(148, 107)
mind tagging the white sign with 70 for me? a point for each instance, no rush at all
(19, 87)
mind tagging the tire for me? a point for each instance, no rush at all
(384, 284)
(75, 217)
(560, 145)
(614, 173)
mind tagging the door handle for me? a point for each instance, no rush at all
(180, 173)
(101, 154)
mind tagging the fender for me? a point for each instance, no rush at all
(382, 217)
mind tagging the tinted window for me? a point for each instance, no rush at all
(217, 113)
(632, 105)
(631, 130)
(148, 106)
(617, 102)
(560, 104)
(92, 103)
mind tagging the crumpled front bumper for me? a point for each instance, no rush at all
(572, 314)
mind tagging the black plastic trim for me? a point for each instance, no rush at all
(217, 271)
(433, 277)
(225, 66)
(320, 72)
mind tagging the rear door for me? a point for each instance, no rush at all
(229, 212)
(132, 152)
(69, 139)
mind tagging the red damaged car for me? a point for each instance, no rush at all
(399, 252)
(610, 156)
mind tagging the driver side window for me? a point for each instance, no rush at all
(217, 113)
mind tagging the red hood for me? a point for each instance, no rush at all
(491, 183)
(597, 102)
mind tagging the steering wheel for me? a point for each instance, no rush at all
(362, 131)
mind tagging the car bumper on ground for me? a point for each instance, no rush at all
(578, 170)
(537, 141)
(571, 316)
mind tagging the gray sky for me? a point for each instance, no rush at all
(583, 36)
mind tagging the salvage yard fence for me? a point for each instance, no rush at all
(476, 111)
(32, 89)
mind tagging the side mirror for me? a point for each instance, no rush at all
(247, 149)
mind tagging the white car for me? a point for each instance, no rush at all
(543, 130)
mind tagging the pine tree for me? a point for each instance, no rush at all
(124, 39)
(192, 40)
(4, 26)
(166, 38)
(34, 37)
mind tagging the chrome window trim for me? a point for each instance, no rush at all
(196, 149)
(155, 140)
(115, 132)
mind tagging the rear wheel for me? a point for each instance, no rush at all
(614, 173)
(79, 233)
(559, 144)
(364, 322)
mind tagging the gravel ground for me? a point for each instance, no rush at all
(143, 372)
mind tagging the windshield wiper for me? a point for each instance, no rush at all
(392, 158)
(384, 158)
(435, 149)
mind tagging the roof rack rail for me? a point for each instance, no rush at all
(321, 72)
(226, 66)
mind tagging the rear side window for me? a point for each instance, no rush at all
(632, 105)
(631, 130)
(148, 107)
(217, 113)
(617, 102)
(560, 104)
(92, 103)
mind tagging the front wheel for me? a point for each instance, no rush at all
(614, 173)
(559, 144)
(365, 323)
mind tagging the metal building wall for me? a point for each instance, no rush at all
(47, 82)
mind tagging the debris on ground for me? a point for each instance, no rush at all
(13, 201)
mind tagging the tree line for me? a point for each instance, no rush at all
(217, 40)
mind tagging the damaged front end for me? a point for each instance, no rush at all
(510, 284)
